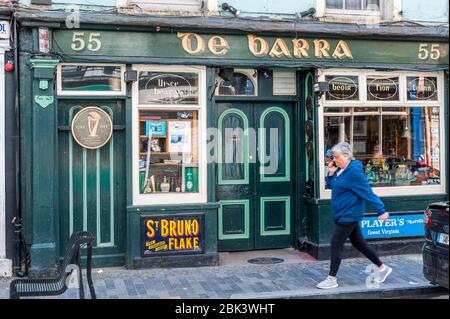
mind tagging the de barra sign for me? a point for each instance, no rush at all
(172, 234)
(244, 47)
(402, 225)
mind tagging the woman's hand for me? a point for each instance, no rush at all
(384, 217)
(331, 168)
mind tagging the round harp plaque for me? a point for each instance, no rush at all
(92, 127)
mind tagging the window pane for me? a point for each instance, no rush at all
(233, 146)
(372, 5)
(237, 84)
(422, 88)
(168, 88)
(168, 159)
(395, 149)
(353, 4)
(382, 89)
(335, 4)
(90, 78)
(342, 87)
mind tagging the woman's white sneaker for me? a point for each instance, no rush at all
(381, 275)
(328, 284)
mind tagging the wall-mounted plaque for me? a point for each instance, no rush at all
(422, 88)
(168, 88)
(92, 127)
(342, 88)
(385, 89)
(172, 234)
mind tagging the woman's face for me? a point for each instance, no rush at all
(340, 160)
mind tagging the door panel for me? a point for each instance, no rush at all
(92, 185)
(255, 212)
(274, 196)
(235, 176)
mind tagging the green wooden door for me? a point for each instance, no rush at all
(255, 191)
(92, 192)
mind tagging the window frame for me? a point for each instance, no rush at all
(248, 73)
(61, 92)
(159, 198)
(388, 11)
(210, 5)
(439, 103)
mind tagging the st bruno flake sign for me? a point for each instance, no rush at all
(172, 234)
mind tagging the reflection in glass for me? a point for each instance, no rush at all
(397, 146)
(168, 88)
(90, 78)
(168, 151)
(239, 84)
(233, 146)
(335, 4)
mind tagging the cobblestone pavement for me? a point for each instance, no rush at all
(284, 280)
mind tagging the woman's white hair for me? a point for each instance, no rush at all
(343, 148)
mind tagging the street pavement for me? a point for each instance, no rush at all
(253, 281)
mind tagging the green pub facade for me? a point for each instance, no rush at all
(173, 139)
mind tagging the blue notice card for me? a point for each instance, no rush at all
(155, 128)
(404, 225)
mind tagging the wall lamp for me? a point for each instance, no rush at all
(233, 10)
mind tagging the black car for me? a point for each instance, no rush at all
(435, 249)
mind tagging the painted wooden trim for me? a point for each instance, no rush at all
(287, 149)
(171, 198)
(246, 234)
(2, 158)
(287, 201)
(244, 118)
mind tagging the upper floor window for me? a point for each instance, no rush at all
(360, 5)
(358, 11)
(170, 5)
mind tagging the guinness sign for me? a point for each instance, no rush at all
(92, 127)
(382, 89)
(342, 88)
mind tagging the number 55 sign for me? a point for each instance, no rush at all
(429, 51)
(79, 40)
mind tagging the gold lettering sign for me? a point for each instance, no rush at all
(218, 46)
(254, 42)
(301, 48)
(279, 49)
(194, 44)
(186, 42)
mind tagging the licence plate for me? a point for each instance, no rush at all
(442, 238)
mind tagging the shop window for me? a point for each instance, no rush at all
(90, 79)
(397, 146)
(169, 125)
(168, 152)
(232, 82)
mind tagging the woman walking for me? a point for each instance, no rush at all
(350, 189)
